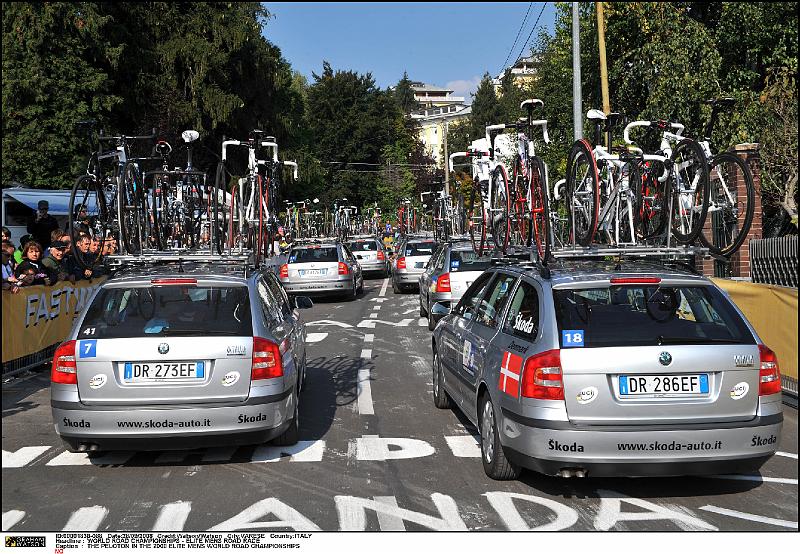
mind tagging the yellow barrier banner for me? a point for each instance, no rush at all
(772, 310)
(39, 316)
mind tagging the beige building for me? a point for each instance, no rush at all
(438, 110)
(523, 71)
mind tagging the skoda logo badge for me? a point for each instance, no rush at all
(163, 348)
(665, 358)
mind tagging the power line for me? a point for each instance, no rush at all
(522, 26)
(532, 30)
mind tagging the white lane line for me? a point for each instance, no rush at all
(366, 353)
(315, 337)
(329, 322)
(303, 451)
(23, 456)
(11, 518)
(365, 392)
(86, 519)
(370, 324)
(373, 315)
(757, 478)
(383, 288)
(378, 299)
(172, 516)
(750, 517)
(368, 338)
(422, 322)
(464, 446)
(786, 455)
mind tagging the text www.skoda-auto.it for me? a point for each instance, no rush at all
(670, 446)
(163, 424)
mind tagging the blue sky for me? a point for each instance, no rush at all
(443, 44)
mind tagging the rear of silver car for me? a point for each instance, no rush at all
(171, 363)
(461, 266)
(410, 263)
(370, 255)
(640, 376)
(316, 270)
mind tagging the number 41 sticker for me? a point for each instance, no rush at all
(572, 338)
(87, 348)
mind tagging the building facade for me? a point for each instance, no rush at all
(438, 109)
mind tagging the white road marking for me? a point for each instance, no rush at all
(411, 311)
(369, 338)
(365, 406)
(285, 516)
(383, 287)
(750, 517)
(786, 455)
(172, 516)
(86, 519)
(757, 478)
(503, 504)
(378, 299)
(303, 451)
(373, 315)
(133, 517)
(366, 353)
(11, 518)
(464, 446)
(373, 448)
(83, 459)
(323, 322)
(610, 513)
(370, 324)
(388, 521)
(315, 337)
(353, 513)
(422, 322)
(23, 456)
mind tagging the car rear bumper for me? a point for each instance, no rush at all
(370, 267)
(318, 287)
(405, 278)
(640, 451)
(92, 427)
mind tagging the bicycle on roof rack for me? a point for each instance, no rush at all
(343, 215)
(109, 201)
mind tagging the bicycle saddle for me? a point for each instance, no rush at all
(532, 102)
(595, 115)
(190, 136)
(613, 118)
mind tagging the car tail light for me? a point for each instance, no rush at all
(443, 283)
(401, 263)
(174, 281)
(542, 377)
(381, 255)
(267, 362)
(284, 271)
(343, 269)
(635, 280)
(64, 370)
(769, 376)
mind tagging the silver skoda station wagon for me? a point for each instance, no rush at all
(174, 358)
(603, 370)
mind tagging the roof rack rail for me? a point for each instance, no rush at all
(119, 261)
(633, 251)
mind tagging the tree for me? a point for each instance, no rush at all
(404, 95)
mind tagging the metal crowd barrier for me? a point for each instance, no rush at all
(774, 261)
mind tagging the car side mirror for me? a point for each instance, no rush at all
(302, 302)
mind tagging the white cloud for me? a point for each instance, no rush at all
(464, 88)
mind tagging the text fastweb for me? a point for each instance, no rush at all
(669, 446)
(164, 424)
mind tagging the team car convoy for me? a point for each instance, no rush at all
(584, 368)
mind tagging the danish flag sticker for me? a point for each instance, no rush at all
(509, 374)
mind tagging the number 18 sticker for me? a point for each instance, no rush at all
(572, 338)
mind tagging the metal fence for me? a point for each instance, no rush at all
(31, 361)
(774, 261)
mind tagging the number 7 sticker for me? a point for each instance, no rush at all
(87, 349)
(572, 338)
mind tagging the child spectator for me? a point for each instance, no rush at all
(32, 261)
(10, 281)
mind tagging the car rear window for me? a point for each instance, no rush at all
(420, 248)
(320, 254)
(364, 246)
(468, 261)
(172, 310)
(643, 315)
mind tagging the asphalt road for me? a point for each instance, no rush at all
(375, 454)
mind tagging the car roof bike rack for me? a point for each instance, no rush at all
(124, 261)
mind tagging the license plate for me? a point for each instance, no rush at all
(640, 385)
(309, 272)
(141, 372)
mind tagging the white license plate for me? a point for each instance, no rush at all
(641, 385)
(142, 372)
(312, 272)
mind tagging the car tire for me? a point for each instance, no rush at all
(361, 286)
(440, 398)
(292, 433)
(431, 323)
(354, 294)
(422, 312)
(495, 463)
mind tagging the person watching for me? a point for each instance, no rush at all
(73, 266)
(10, 281)
(32, 261)
(55, 263)
(41, 224)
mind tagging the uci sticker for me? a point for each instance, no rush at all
(739, 390)
(572, 338)
(87, 348)
(97, 381)
(230, 378)
(586, 395)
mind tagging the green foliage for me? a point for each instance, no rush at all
(404, 95)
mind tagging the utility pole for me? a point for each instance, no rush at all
(577, 104)
(601, 41)
(446, 161)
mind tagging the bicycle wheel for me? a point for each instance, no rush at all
(522, 214)
(540, 212)
(690, 191)
(476, 220)
(500, 209)
(651, 200)
(87, 193)
(583, 193)
(559, 216)
(730, 209)
(132, 226)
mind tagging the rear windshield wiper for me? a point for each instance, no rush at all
(694, 340)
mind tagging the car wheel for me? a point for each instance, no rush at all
(422, 312)
(354, 294)
(495, 463)
(361, 286)
(431, 323)
(440, 398)
(292, 433)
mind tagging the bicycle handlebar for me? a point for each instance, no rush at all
(655, 124)
(126, 137)
(294, 165)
